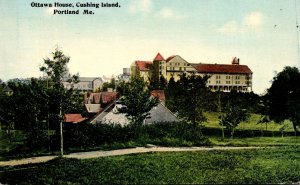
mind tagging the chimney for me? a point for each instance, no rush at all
(235, 61)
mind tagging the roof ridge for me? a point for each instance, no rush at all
(158, 57)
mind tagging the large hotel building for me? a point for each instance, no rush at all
(223, 77)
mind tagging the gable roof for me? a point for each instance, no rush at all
(93, 108)
(159, 94)
(158, 57)
(84, 79)
(92, 98)
(73, 118)
(170, 58)
(108, 97)
(160, 113)
(222, 68)
(143, 65)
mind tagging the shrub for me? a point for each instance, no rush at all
(162, 133)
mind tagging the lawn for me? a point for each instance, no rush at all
(251, 124)
(257, 166)
(8, 143)
(256, 141)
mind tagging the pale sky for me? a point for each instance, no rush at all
(262, 33)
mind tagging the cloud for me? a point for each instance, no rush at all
(229, 28)
(251, 22)
(168, 13)
(254, 20)
(143, 6)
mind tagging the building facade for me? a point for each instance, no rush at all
(85, 84)
(223, 77)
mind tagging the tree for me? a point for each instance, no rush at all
(233, 116)
(29, 114)
(283, 97)
(162, 82)
(55, 69)
(191, 92)
(137, 102)
(171, 95)
(111, 84)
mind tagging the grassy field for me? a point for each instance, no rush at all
(10, 143)
(257, 141)
(257, 166)
(251, 124)
(278, 164)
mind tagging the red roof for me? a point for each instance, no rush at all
(170, 58)
(73, 118)
(222, 68)
(96, 97)
(159, 94)
(143, 65)
(158, 57)
(108, 97)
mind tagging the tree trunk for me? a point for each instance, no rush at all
(232, 133)
(223, 135)
(61, 133)
(295, 128)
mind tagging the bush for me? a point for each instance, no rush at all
(163, 133)
(208, 131)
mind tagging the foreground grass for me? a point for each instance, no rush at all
(259, 166)
(256, 141)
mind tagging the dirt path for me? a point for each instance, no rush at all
(95, 154)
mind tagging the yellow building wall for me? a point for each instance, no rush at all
(177, 66)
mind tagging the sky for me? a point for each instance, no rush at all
(262, 33)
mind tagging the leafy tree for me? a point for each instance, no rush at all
(153, 82)
(233, 116)
(137, 102)
(111, 84)
(1, 86)
(156, 82)
(29, 114)
(283, 97)
(7, 112)
(191, 92)
(171, 95)
(162, 82)
(55, 69)
(263, 109)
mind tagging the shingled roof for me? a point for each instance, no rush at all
(73, 118)
(108, 97)
(170, 58)
(143, 65)
(159, 94)
(158, 57)
(222, 68)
